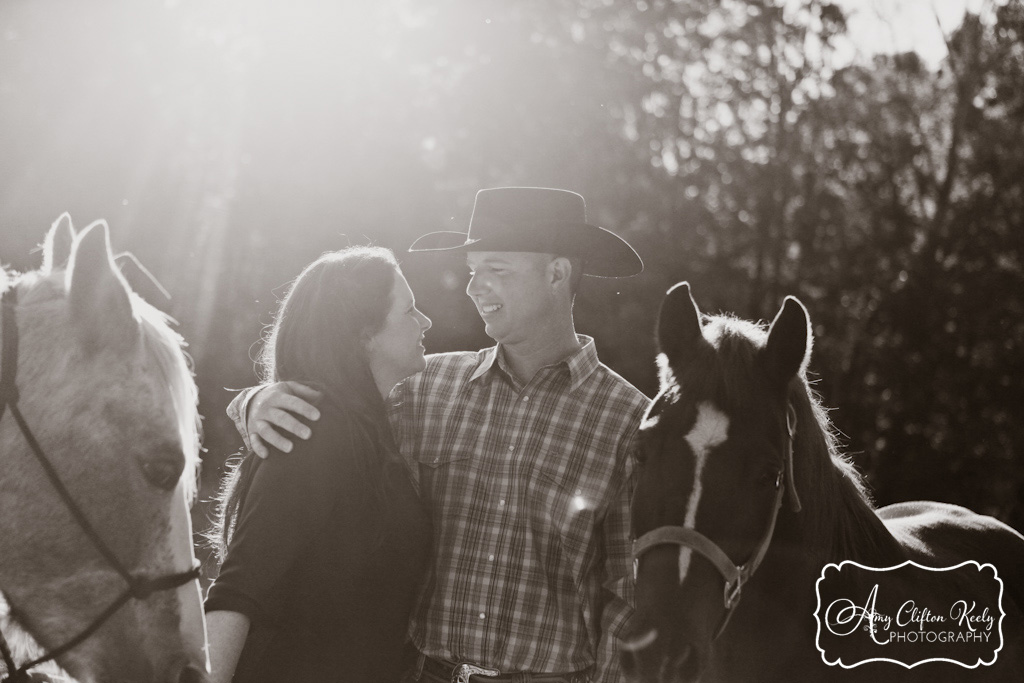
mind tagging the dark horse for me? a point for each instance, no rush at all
(743, 499)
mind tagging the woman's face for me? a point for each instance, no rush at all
(396, 351)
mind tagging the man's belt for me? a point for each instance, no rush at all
(461, 673)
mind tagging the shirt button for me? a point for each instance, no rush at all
(483, 616)
(501, 502)
(511, 448)
(525, 399)
(490, 558)
(437, 460)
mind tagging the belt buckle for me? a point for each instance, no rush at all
(462, 672)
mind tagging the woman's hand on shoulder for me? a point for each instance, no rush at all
(272, 416)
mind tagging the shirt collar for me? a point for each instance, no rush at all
(580, 363)
(487, 358)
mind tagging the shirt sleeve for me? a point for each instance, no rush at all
(289, 500)
(238, 410)
(618, 568)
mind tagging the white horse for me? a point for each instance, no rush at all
(102, 574)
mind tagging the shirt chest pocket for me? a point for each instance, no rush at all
(450, 446)
(442, 476)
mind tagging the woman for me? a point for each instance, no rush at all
(325, 546)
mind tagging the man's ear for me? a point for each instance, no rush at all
(560, 271)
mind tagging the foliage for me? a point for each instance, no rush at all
(721, 137)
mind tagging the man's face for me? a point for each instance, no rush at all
(512, 292)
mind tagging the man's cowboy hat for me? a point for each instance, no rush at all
(541, 220)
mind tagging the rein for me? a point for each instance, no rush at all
(139, 586)
(735, 575)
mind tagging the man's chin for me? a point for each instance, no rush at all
(496, 335)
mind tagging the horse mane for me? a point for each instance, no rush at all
(163, 346)
(167, 349)
(839, 515)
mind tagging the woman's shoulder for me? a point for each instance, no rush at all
(329, 464)
(339, 436)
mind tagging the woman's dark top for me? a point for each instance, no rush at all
(325, 560)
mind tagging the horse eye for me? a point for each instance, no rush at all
(163, 472)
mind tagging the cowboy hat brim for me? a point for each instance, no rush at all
(604, 254)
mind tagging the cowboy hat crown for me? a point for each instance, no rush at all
(538, 219)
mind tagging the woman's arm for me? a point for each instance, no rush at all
(226, 632)
(287, 504)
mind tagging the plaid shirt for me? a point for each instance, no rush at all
(529, 488)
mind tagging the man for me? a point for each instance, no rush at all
(523, 451)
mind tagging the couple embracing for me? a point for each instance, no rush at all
(475, 504)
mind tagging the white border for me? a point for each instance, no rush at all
(839, 567)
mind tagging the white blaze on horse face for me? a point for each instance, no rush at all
(709, 430)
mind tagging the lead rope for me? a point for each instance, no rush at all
(139, 587)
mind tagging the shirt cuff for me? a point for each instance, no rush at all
(223, 599)
(238, 412)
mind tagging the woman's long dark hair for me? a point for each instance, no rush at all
(319, 339)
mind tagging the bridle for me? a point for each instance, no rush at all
(139, 586)
(735, 575)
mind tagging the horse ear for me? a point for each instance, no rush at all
(788, 349)
(58, 242)
(679, 329)
(101, 310)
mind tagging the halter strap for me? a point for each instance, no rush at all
(139, 586)
(735, 575)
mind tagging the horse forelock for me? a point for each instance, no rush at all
(738, 344)
(721, 370)
(724, 377)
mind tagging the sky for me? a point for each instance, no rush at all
(888, 26)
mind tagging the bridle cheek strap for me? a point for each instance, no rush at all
(735, 575)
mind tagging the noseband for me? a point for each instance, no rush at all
(735, 575)
(139, 586)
